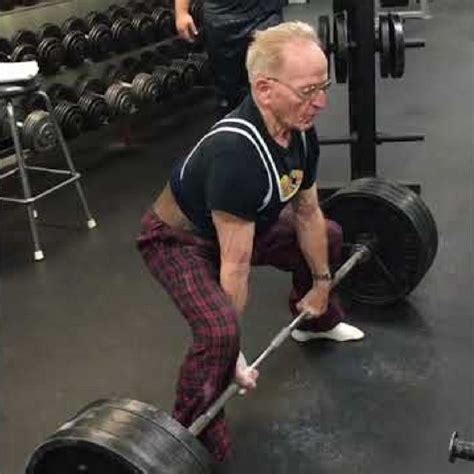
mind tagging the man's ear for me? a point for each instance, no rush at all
(262, 89)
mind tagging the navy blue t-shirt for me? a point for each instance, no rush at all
(237, 167)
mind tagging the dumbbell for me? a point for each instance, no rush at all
(68, 114)
(36, 130)
(142, 85)
(164, 22)
(81, 40)
(142, 24)
(25, 47)
(117, 97)
(93, 108)
(168, 79)
(22, 52)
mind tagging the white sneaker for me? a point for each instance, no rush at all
(341, 332)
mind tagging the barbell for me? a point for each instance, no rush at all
(124, 436)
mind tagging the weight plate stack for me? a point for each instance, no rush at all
(116, 12)
(51, 55)
(124, 35)
(70, 119)
(96, 18)
(95, 110)
(74, 23)
(24, 52)
(187, 71)
(101, 42)
(119, 99)
(145, 88)
(145, 27)
(168, 80)
(24, 37)
(404, 232)
(49, 30)
(38, 132)
(164, 22)
(76, 48)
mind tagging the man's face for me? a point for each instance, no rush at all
(299, 90)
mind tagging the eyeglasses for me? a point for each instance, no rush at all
(306, 93)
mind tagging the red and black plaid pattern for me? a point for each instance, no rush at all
(188, 268)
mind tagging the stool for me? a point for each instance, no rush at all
(10, 90)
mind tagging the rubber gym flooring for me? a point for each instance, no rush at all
(89, 322)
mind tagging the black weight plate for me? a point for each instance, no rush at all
(324, 34)
(100, 41)
(95, 110)
(115, 12)
(145, 27)
(384, 46)
(38, 132)
(24, 37)
(5, 46)
(74, 23)
(96, 18)
(49, 30)
(120, 437)
(24, 52)
(341, 47)
(51, 55)
(404, 231)
(397, 46)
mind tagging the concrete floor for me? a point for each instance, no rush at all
(89, 322)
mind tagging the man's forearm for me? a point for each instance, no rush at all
(181, 6)
(312, 238)
(234, 282)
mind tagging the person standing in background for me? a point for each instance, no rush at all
(228, 26)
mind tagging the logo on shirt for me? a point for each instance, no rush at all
(289, 184)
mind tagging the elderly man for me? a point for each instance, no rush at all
(246, 195)
(227, 28)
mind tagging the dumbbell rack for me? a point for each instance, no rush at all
(363, 137)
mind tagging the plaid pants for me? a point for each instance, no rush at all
(188, 268)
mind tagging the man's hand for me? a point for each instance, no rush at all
(315, 302)
(186, 27)
(245, 376)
